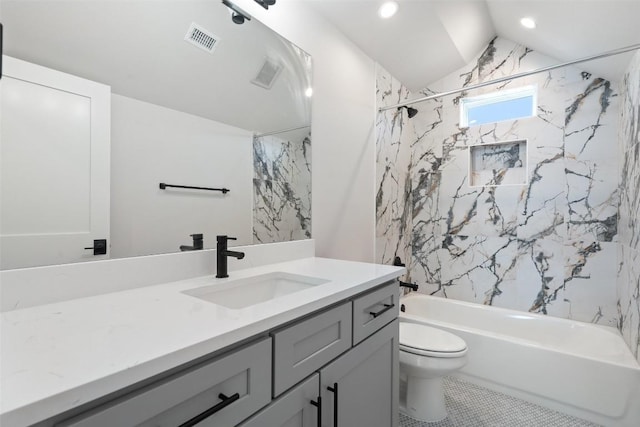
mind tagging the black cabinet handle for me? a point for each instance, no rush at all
(226, 401)
(1, 50)
(387, 307)
(334, 390)
(318, 405)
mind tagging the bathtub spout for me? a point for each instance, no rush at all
(411, 286)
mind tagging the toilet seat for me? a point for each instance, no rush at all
(424, 340)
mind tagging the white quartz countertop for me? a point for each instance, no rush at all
(58, 356)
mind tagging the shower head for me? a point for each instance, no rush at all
(238, 16)
(411, 112)
(265, 3)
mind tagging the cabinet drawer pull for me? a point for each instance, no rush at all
(334, 390)
(387, 307)
(226, 401)
(318, 405)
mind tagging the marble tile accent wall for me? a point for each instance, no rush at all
(548, 246)
(282, 188)
(628, 282)
(393, 179)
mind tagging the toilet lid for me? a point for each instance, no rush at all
(422, 339)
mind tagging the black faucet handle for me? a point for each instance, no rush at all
(398, 262)
(224, 238)
(232, 238)
(198, 241)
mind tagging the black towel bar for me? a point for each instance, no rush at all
(164, 186)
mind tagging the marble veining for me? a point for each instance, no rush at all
(628, 274)
(282, 188)
(498, 164)
(548, 245)
(498, 156)
(393, 176)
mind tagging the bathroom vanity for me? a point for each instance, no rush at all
(302, 354)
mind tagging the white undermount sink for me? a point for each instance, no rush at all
(242, 293)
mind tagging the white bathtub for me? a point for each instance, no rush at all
(577, 368)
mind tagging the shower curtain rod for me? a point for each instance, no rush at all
(275, 132)
(513, 77)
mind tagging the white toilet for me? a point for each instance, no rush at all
(426, 355)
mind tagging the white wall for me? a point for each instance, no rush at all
(152, 144)
(343, 148)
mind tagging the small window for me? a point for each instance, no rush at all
(498, 106)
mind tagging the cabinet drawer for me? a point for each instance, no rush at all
(292, 409)
(374, 310)
(177, 399)
(306, 346)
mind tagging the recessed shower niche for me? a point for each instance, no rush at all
(500, 163)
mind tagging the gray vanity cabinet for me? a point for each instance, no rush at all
(361, 380)
(334, 368)
(360, 388)
(296, 408)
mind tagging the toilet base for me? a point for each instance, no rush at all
(425, 399)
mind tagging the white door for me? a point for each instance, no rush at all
(54, 163)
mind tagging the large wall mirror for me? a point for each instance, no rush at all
(180, 95)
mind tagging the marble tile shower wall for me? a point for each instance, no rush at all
(548, 246)
(629, 218)
(282, 189)
(393, 173)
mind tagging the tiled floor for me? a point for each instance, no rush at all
(470, 405)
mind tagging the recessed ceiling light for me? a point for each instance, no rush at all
(309, 92)
(528, 23)
(388, 9)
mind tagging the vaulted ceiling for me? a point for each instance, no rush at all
(427, 39)
(424, 41)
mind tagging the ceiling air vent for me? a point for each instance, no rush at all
(267, 74)
(202, 38)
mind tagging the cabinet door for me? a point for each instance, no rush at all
(361, 387)
(54, 166)
(298, 407)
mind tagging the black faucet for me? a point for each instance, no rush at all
(197, 243)
(222, 253)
